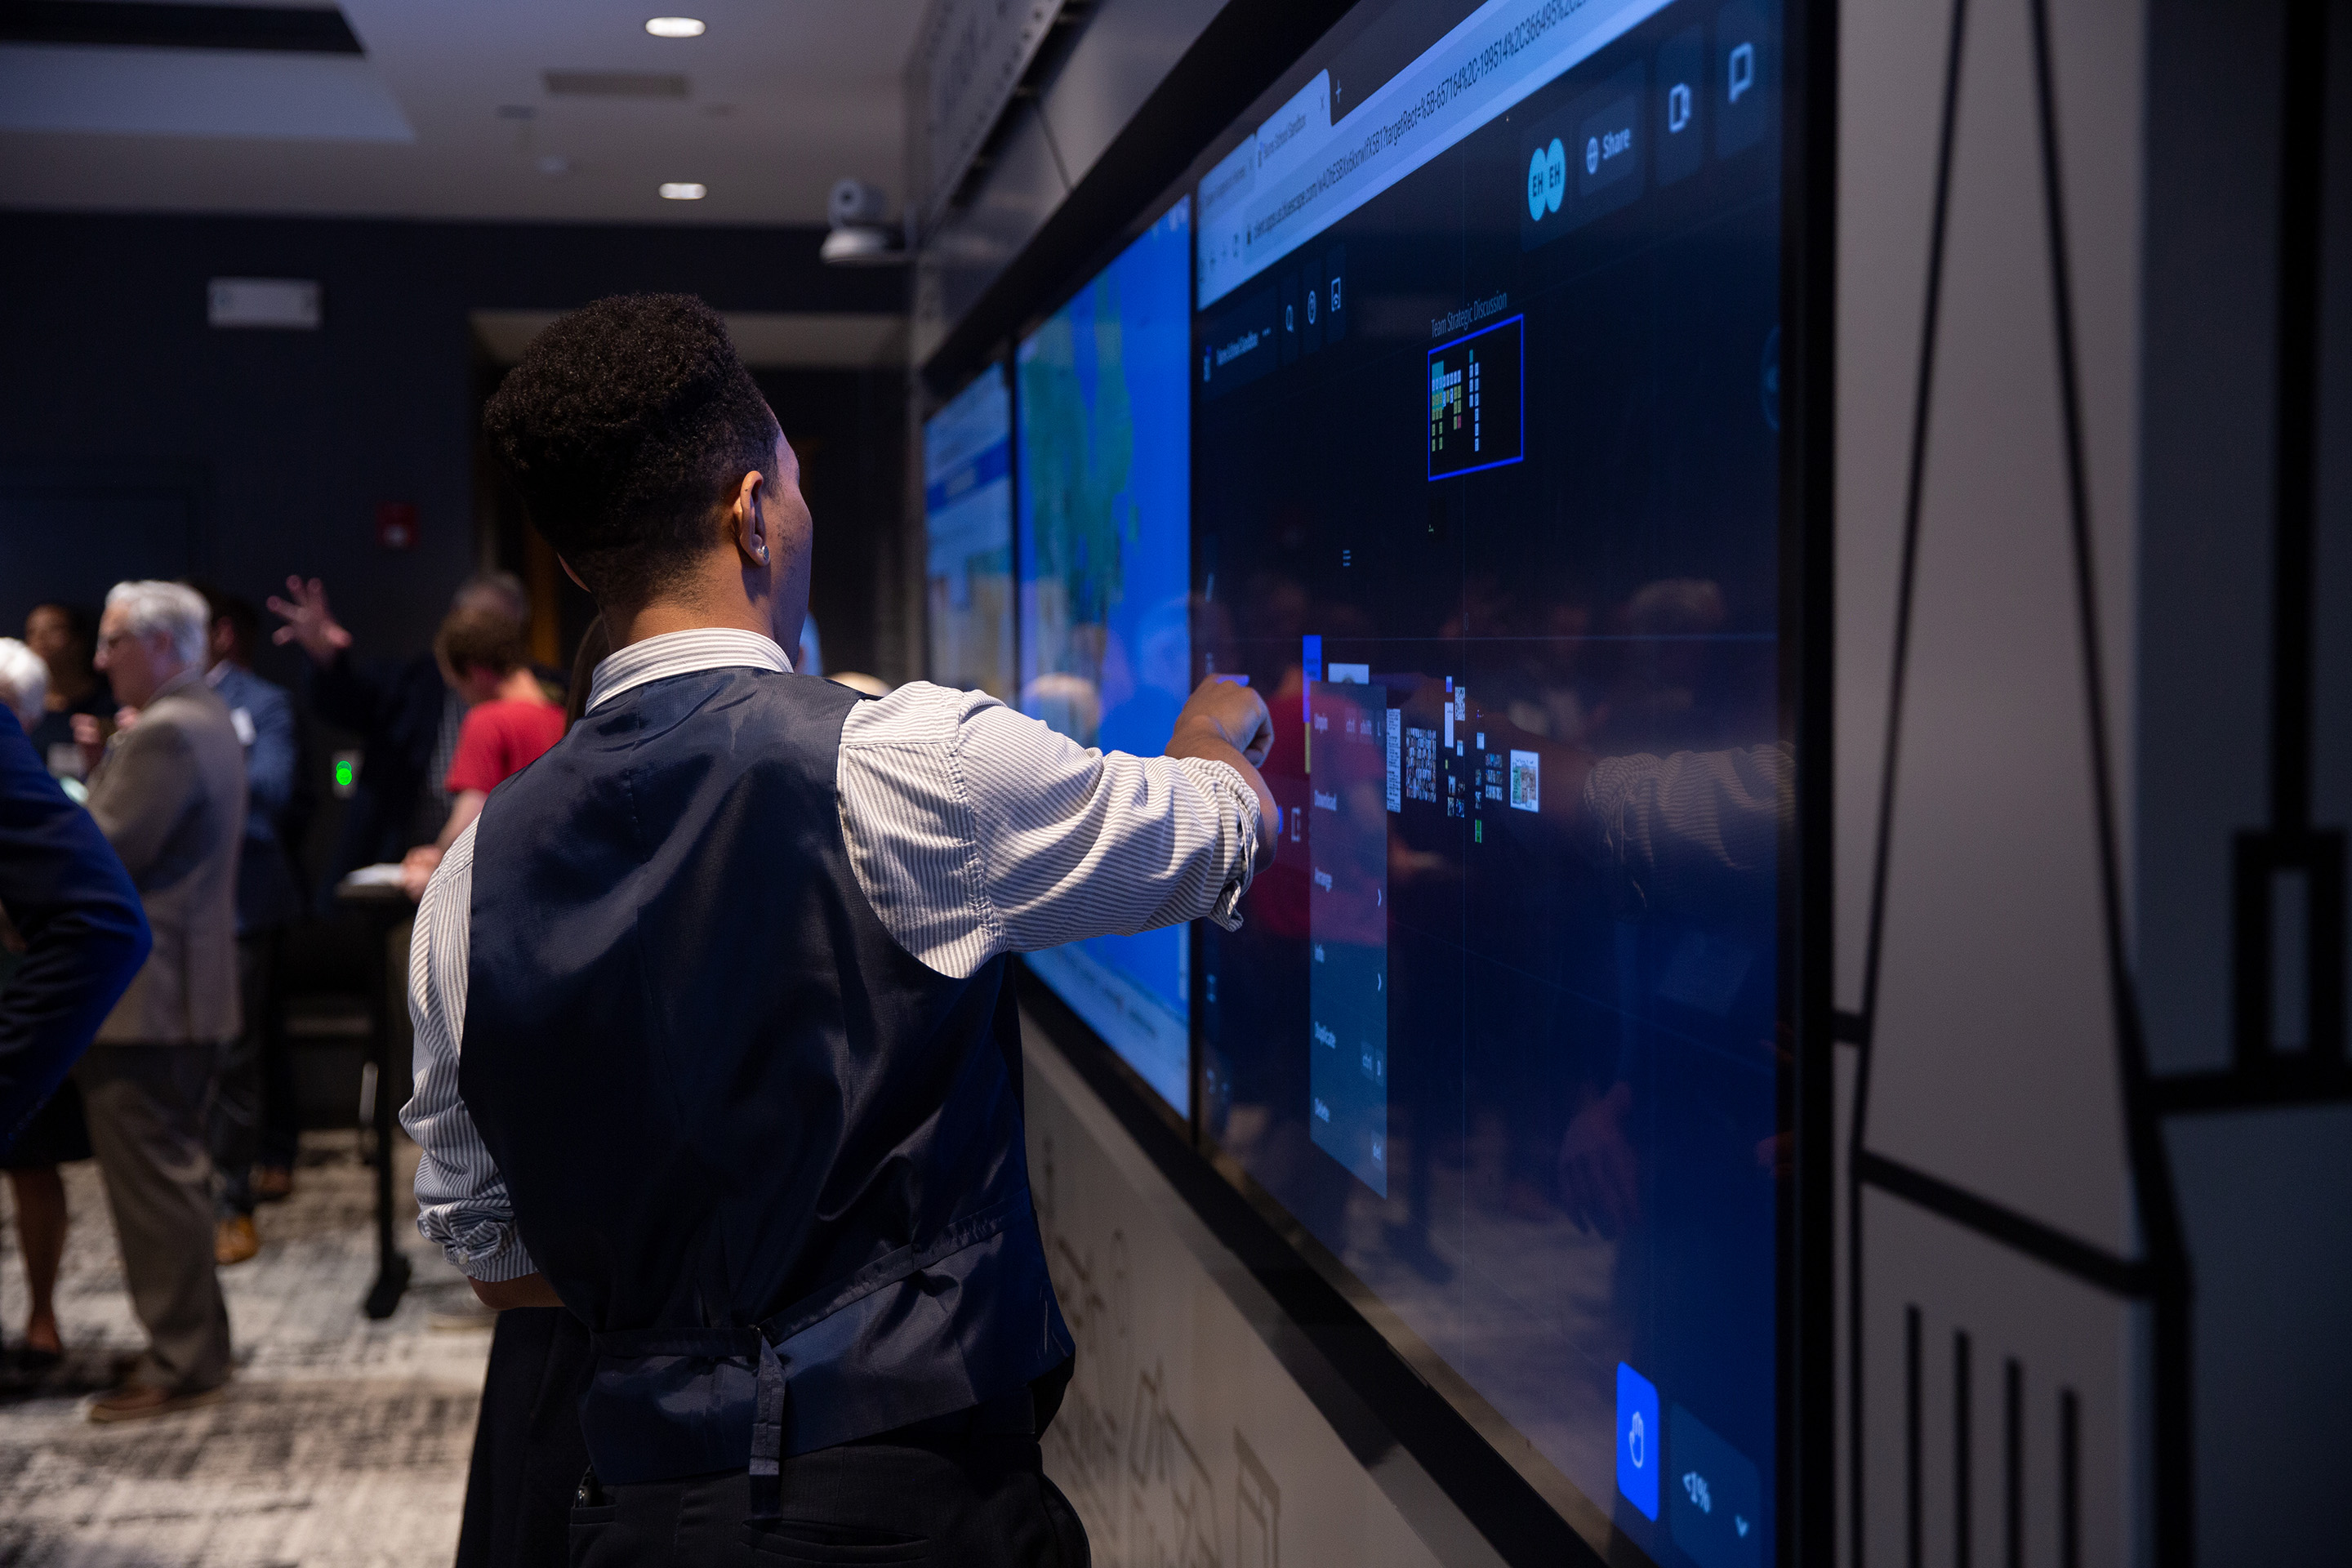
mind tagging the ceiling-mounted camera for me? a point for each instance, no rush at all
(862, 234)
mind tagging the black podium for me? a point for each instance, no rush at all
(384, 909)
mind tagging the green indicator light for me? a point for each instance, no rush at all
(1479, 830)
(344, 772)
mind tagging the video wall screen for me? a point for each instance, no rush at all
(1104, 561)
(1486, 502)
(968, 536)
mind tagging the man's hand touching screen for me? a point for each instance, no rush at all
(1226, 722)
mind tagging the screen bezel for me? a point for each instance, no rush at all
(929, 407)
(1527, 1510)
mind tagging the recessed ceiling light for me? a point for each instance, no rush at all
(674, 26)
(682, 190)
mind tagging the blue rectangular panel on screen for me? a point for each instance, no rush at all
(1637, 1440)
(968, 536)
(1499, 1027)
(1105, 564)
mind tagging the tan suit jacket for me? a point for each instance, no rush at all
(170, 796)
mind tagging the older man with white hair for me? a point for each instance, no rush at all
(169, 790)
(24, 681)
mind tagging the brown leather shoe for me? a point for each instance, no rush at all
(136, 1401)
(272, 1184)
(236, 1240)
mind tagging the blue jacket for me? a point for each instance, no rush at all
(772, 1161)
(267, 896)
(84, 935)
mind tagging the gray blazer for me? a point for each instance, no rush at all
(170, 796)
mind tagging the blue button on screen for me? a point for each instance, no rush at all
(1638, 1440)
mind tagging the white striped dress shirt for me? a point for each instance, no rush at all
(972, 831)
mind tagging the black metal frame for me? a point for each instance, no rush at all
(1807, 1471)
(383, 908)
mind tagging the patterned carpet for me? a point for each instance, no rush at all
(342, 1443)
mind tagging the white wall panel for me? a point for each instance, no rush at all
(1891, 69)
(1186, 1440)
(1993, 1041)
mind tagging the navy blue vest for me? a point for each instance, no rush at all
(772, 1161)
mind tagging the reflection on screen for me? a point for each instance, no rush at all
(1487, 497)
(1104, 557)
(967, 533)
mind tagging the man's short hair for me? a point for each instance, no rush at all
(167, 610)
(626, 427)
(223, 605)
(24, 681)
(494, 591)
(480, 640)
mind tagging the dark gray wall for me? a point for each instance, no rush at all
(288, 441)
(2261, 1188)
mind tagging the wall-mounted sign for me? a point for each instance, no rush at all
(283, 302)
(967, 61)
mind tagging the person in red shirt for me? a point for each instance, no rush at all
(509, 723)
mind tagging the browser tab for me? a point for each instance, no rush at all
(1303, 124)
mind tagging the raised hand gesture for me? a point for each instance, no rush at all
(308, 622)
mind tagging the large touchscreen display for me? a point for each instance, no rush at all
(968, 536)
(1486, 499)
(1104, 550)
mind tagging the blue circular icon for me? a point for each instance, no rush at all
(1593, 155)
(1555, 174)
(1536, 180)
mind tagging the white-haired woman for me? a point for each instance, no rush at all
(55, 1133)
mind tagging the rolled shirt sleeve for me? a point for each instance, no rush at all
(461, 1197)
(974, 830)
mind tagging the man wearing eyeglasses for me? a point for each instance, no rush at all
(169, 792)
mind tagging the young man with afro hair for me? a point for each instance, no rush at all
(715, 1043)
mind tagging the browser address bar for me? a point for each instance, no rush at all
(1302, 177)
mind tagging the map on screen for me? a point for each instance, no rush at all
(968, 536)
(1104, 557)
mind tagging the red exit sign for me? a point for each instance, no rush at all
(396, 524)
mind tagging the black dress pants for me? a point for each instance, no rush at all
(240, 1076)
(891, 1503)
(528, 1450)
